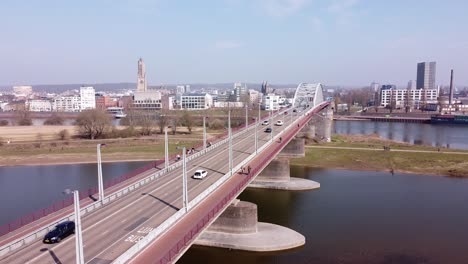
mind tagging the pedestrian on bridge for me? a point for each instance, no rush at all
(248, 170)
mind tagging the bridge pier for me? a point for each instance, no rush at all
(325, 120)
(277, 176)
(238, 228)
(308, 131)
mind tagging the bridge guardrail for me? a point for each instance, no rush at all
(183, 243)
(40, 232)
(176, 217)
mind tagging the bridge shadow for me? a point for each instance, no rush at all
(52, 254)
(162, 201)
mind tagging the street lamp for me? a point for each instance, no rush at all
(204, 132)
(166, 149)
(100, 183)
(78, 235)
(256, 135)
(246, 117)
(230, 142)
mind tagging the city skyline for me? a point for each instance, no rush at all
(345, 42)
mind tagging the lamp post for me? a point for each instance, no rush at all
(256, 135)
(204, 132)
(166, 149)
(100, 183)
(78, 235)
(230, 142)
(271, 134)
(184, 180)
(246, 117)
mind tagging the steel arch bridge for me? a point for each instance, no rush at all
(308, 93)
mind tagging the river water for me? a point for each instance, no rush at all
(361, 217)
(449, 136)
(355, 217)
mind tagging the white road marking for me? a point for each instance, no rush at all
(123, 208)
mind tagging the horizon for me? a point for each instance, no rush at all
(347, 43)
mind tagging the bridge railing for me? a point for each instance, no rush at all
(29, 218)
(183, 243)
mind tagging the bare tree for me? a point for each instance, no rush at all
(163, 121)
(93, 123)
(187, 120)
(146, 121)
(23, 118)
(174, 123)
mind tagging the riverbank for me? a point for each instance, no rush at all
(350, 152)
(367, 153)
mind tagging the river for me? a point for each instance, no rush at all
(355, 217)
(449, 136)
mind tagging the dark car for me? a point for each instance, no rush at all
(60, 232)
(268, 130)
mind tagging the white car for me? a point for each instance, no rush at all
(200, 174)
(279, 123)
(265, 123)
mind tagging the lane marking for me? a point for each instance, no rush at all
(158, 188)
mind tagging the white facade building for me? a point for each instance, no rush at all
(67, 104)
(412, 98)
(270, 102)
(87, 98)
(196, 101)
(142, 86)
(239, 90)
(147, 100)
(254, 96)
(39, 105)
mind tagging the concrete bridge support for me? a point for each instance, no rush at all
(277, 174)
(308, 131)
(238, 228)
(325, 121)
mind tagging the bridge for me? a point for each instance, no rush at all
(151, 218)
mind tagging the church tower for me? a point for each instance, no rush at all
(141, 82)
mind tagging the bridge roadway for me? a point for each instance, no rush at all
(111, 230)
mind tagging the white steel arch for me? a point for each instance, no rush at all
(308, 93)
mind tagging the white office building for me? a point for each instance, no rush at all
(67, 104)
(147, 100)
(270, 102)
(412, 98)
(39, 105)
(196, 101)
(87, 98)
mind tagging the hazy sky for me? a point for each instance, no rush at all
(336, 42)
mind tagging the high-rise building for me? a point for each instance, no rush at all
(239, 90)
(426, 75)
(87, 98)
(141, 82)
(411, 85)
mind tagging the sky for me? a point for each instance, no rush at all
(335, 42)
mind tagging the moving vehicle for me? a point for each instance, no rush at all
(200, 174)
(268, 130)
(279, 123)
(265, 123)
(60, 232)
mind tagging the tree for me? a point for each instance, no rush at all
(146, 122)
(93, 123)
(187, 120)
(23, 118)
(63, 134)
(163, 121)
(174, 123)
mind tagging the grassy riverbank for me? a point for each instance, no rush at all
(367, 153)
(24, 150)
(353, 152)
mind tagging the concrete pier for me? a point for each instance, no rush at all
(277, 176)
(295, 148)
(238, 228)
